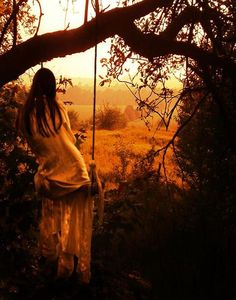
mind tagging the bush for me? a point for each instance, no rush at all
(131, 114)
(17, 167)
(124, 152)
(110, 118)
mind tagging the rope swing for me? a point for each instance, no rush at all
(96, 185)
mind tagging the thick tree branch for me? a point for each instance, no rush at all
(190, 15)
(151, 46)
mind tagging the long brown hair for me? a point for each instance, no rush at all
(42, 94)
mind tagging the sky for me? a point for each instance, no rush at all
(55, 18)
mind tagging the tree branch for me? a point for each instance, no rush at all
(152, 45)
(190, 15)
(181, 127)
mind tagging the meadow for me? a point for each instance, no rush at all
(118, 153)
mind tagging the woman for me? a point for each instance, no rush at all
(61, 181)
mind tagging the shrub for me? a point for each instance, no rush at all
(74, 119)
(17, 167)
(125, 155)
(110, 118)
(131, 114)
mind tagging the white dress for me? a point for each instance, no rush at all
(67, 209)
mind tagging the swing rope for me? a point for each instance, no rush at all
(96, 8)
(94, 101)
(96, 184)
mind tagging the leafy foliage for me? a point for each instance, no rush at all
(17, 166)
(25, 24)
(62, 84)
(18, 206)
(204, 156)
(123, 150)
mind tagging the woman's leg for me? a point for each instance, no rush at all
(49, 227)
(76, 232)
(84, 254)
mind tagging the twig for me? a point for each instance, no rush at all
(86, 11)
(182, 126)
(182, 94)
(179, 164)
(143, 103)
(40, 17)
(173, 110)
(66, 11)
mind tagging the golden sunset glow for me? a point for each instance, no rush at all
(57, 16)
(117, 170)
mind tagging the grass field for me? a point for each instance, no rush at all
(118, 151)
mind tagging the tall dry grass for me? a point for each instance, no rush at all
(118, 151)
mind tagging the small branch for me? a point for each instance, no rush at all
(181, 126)
(179, 164)
(163, 163)
(96, 7)
(40, 17)
(165, 174)
(145, 104)
(86, 11)
(152, 45)
(182, 94)
(173, 110)
(66, 12)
